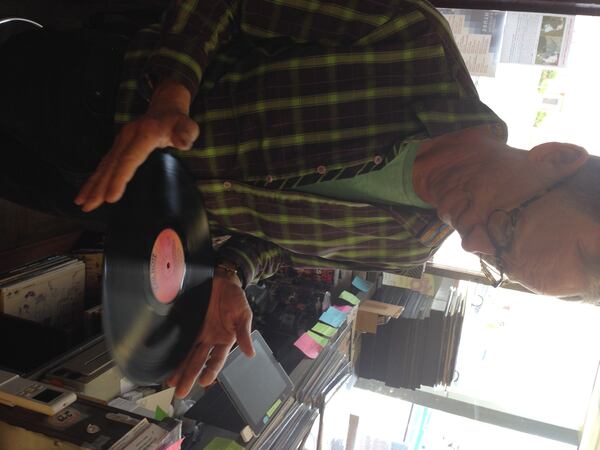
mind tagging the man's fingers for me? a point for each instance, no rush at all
(242, 334)
(174, 378)
(85, 191)
(91, 187)
(130, 160)
(194, 364)
(88, 189)
(214, 364)
(131, 148)
(97, 195)
(185, 134)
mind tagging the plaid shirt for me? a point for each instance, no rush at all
(293, 92)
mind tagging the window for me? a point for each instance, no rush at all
(529, 355)
(527, 364)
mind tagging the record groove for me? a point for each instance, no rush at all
(157, 270)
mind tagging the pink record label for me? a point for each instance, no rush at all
(167, 266)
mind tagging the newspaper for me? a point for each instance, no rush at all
(535, 38)
(478, 35)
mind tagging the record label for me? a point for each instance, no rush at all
(167, 266)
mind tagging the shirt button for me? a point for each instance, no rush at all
(227, 185)
(377, 160)
(269, 179)
(321, 170)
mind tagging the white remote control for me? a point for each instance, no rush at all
(32, 395)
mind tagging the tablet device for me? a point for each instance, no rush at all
(256, 386)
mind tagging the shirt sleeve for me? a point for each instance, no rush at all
(329, 22)
(194, 30)
(256, 259)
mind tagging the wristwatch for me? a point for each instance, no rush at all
(231, 268)
(227, 266)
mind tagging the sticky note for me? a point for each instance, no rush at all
(324, 329)
(349, 297)
(308, 346)
(361, 284)
(220, 443)
(274, 407)
(159, 414)
(322, 341)
(333, 317)
(175, 445)
(345, 309)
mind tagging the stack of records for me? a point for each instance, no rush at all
(415, 304)
(419, 348)
(288, 429)
(316, 381)
(328, 371)
(49, 291)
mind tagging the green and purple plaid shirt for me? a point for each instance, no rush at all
(293, 92)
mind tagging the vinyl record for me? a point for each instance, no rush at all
(157, 272)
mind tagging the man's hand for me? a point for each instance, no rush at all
(165, 124)
(228, 318)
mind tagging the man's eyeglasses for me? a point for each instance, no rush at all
(501, 227)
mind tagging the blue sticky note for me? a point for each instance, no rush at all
(333, 317)
(361, 284)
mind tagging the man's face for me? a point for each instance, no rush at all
(551, 237)
(551, 240)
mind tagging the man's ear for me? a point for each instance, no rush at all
(565, 158)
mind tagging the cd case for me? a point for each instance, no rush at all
(250, 391)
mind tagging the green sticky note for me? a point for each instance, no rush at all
(324, 329)
(273, 407)
(159, 414)
(220, 443)
(322, 341)
(350, 297)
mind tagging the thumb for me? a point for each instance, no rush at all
(242, 334)
(185, 133)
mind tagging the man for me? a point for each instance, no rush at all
(323, 134)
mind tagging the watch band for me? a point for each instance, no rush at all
(232, 268)
(227, 266)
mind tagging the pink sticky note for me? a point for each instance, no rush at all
(175, 445)
(344, 309)
(308, 346)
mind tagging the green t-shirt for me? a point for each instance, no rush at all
(390, 185)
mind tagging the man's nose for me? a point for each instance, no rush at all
(478, 241)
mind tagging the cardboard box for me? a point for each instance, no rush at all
(372, 313)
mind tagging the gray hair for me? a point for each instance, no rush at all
(583, 190)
